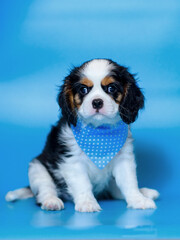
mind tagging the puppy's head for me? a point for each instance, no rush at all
(100, 91)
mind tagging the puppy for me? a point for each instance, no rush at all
(89, 151)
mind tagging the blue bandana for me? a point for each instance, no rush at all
(101, 143)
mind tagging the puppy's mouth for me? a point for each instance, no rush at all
(98, 118)
(97, 111)
(98, 115)
(101, 113)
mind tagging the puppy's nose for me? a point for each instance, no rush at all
(97, 103)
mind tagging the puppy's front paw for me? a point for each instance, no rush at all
(141, 202)
(52, 203)
(87, 205)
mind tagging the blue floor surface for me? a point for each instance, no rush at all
(156, 151)
(25, 220)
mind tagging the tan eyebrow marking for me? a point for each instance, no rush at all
(87, 82)
(107, 80)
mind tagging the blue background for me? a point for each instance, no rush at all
(39, 42)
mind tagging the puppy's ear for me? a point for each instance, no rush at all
(133, 100)
(66, 102)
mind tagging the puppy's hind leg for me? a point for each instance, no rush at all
(150, 193)
(21, 193)
(43, 187)
(117, 194)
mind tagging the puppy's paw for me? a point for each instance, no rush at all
(21, 193)
(52, 203)
(150, 193)
(87, 205)
(10, 196)
(141, 202)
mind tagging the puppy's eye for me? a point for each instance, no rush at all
(111, 89)
(83, 90)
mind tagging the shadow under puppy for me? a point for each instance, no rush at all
(90, 149)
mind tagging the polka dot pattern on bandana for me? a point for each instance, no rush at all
(102, 143)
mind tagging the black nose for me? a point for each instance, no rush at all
(97, 103)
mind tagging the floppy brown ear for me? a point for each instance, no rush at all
(66, 102)
(132, 102)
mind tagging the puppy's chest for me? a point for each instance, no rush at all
(98, 177)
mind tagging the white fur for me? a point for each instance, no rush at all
(21, 193)
(96, 70)
(150, 193)
(43, 187)
(85, 180)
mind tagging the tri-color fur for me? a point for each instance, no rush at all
(99, 91)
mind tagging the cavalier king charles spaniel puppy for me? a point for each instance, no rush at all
(89, 152)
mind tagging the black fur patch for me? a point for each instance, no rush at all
(133, 99)
(130, 105)
(54, 149)
(70, 82)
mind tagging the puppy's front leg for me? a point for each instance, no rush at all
(125, 176)
(80, 187)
